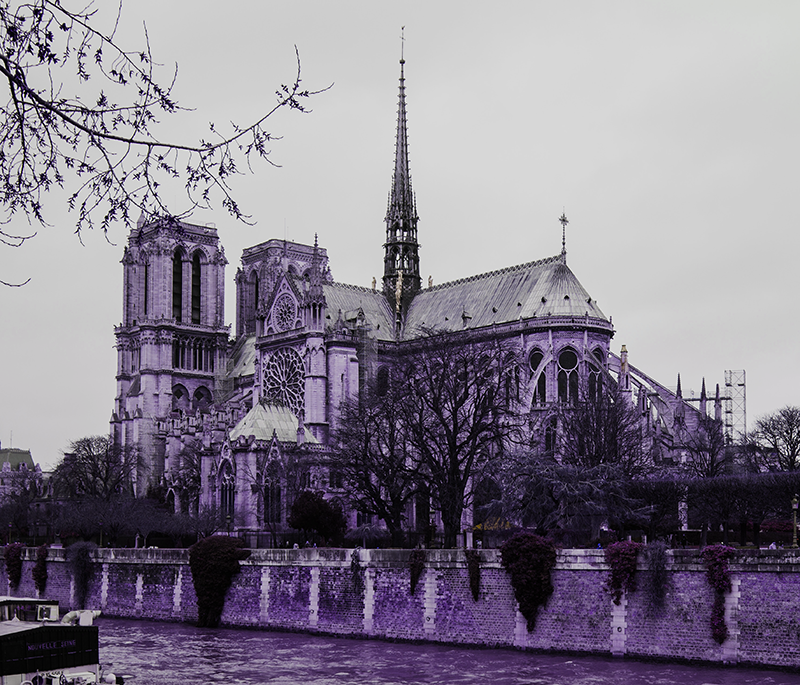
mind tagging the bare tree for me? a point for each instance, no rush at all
(604, 429)
(776, 439)
(81, 113)
(459, 411)
(710, 455)
(95, 467)
(187, 476)
(373, 454)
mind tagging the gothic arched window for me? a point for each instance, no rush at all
(177, 287)
(196, 287)
(568, 376)
(550, 435)
(382, 381)
(535, 361)
(180, 398)
(594, 382)
(202, 398)
(272, 495)
(227, 491)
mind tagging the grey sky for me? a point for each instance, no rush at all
(667, 132)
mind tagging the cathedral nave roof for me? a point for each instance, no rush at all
(546, 287)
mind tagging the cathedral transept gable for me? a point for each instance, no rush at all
(282, 313)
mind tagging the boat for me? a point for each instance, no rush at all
(37, 649)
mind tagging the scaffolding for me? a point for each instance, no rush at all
(735, 403)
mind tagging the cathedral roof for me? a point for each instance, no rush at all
(264, 419)
(544, 288)
(243, 357)
(349, 299)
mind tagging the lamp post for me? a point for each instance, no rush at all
(794, 522)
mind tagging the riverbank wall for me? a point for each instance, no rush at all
(327, 591)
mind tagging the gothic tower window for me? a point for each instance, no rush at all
(568, 377)
(146, 289)
(177, 287)
(540, 392)
(196, 281)
(180, 399)
(202, 398)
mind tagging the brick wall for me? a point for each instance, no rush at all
(322, 590)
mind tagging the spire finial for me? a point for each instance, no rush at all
(401, 249)
(564, 221)
(402, 43)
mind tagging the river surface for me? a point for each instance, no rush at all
(165, 653)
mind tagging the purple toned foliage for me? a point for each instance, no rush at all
(715, 559)
(621, 557)
(529, 559)
(14, 563)
(80, 557)
(40, 569)
(214, 562)
(416, 565)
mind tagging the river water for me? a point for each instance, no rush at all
(166, 653)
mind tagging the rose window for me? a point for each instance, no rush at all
(284, 382)
(284, 313)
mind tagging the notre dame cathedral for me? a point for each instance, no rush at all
(244, 414)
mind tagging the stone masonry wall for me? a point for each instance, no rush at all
(326, 591)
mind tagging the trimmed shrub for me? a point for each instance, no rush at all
(80, 559)
(621, 557)
(214, 561)
(40, 569)
(529, 559)
(14, 563)
(416, 565)
(474, 568)
(715, 559)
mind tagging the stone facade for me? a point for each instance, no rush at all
(252, 418)
(313, 590)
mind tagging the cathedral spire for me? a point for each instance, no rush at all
(401, 247)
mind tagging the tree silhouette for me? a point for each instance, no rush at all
(82, 112)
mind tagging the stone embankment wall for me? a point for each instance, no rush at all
(321, 590)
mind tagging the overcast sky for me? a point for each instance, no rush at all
(669, 133)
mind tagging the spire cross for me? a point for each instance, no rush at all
(402, 41)
(564, 221)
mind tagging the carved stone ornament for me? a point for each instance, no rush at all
(284, 313)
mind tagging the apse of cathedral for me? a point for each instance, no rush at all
(244, 408)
